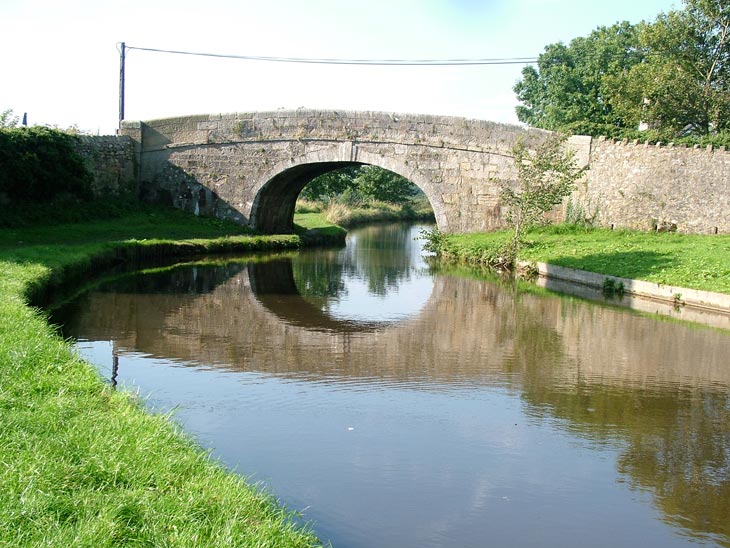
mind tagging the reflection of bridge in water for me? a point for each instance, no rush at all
(467, 330)
(659, 389)
(274, 287)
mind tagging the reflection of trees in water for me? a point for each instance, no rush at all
(676, 443)
(681, 452)
(320, 273)
(675, 438)
(382, 255)
(599, 371)
(191, 279)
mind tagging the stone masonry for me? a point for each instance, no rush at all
(111, 161)
(643, 186)
(250, 167)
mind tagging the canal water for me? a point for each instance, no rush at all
(394, 404)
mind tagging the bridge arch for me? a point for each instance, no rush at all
(250, 167)
(276, 191)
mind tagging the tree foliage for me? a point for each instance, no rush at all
(672, 73)
(570, 84)
(359, 183)
(684, 85)
(8, 119)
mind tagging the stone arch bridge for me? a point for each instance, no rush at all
(250, 167)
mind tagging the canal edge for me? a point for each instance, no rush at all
(672, 298)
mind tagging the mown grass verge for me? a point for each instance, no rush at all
(82, 464)
(684, 260)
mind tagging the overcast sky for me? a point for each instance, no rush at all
(60, 62)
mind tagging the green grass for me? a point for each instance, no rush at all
(684, 260)
(82, 464)
(348, 215)
(315, 223)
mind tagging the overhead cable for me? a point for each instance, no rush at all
(371, 62)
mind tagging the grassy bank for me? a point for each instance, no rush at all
(684, 260)
(359, 213)
(84, 465)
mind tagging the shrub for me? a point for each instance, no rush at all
(39, 164)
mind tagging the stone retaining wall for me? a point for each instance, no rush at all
(112, 162)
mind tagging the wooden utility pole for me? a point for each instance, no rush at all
(122, 54)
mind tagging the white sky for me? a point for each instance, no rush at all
(60, 64)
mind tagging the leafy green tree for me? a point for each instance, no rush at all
(361, 183)
(673, 73)
(8, 119)
(545, 177)
(569, 86)
(383, 185)
(683, 86)
(330, 184)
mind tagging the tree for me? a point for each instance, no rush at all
(364, 182)
(569, 86)
(545, 177)
(330, 184)
(673, 73)
(683, 87)
(383, 185)
(8, 119)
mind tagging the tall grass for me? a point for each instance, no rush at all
(348, 212)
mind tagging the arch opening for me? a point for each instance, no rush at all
(275, 203)
(273, 211)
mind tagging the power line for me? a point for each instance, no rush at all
(371, 62)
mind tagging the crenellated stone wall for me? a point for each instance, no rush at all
(643, 186)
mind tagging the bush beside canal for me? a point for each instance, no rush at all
(82, 464)
(684, 260)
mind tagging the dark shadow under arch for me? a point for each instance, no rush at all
(273, 211)
(274, 287)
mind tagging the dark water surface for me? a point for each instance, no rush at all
(395, 407)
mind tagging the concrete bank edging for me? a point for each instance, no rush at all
(718, 302)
